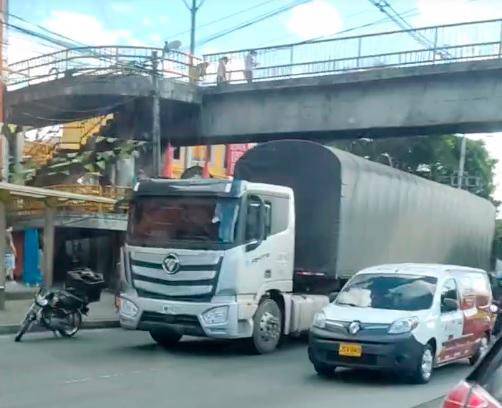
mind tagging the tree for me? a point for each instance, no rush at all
(432, 157)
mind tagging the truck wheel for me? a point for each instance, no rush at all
(165, 338)
(424, 366)
(267, 330)
(481, 350)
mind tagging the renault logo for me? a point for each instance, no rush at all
(354, 327)
(171, 264)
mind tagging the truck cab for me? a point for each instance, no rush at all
(208, 258)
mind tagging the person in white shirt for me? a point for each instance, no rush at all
(221, 73)
(249, 65)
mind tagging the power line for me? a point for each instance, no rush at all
(224, 18)
(253, 21)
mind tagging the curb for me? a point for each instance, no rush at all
(97, 324)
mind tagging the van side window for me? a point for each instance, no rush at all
(449, 296)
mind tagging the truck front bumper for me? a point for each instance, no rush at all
(185, 317)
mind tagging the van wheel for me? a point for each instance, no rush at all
(424, 366)
(267, 327)
(165, 338)
(324, 370)
(481, 350)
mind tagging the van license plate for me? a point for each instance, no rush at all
(350, 350)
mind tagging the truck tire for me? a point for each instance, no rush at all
(424, 366)
(165, 337)
(267, 327)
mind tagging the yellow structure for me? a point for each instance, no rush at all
(196, 156)
(76, 134)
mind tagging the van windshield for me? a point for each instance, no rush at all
(394, 292)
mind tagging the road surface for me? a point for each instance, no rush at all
(115, 368)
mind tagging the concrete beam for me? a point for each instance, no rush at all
(110, 222)
(457, 97)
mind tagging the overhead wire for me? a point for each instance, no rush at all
(253, 21)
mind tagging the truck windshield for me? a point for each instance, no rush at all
(395, 292)
(155, 221)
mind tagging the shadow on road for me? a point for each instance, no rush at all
(380, 378)
(192, 346)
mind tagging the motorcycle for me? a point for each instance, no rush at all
(61, 310)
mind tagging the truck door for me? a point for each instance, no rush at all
(450, 338)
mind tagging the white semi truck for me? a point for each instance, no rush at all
(256, 257)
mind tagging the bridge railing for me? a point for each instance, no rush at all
(423, 46)
(103, 60)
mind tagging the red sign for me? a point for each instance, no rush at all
(234, 153)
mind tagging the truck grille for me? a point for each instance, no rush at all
(191, 282)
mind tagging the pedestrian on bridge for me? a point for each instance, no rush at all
(249, 65)
(221, 73)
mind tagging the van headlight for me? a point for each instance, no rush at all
(216, 315)
(403, 325)
(128, 308)
(319, 320)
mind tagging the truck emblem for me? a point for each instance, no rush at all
(354, 327)
(171, 264)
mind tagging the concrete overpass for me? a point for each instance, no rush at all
(304, 90)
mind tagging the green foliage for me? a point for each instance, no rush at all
(432, 157)
(497, 242)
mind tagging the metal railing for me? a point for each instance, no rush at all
(103, 60)
(470, 41)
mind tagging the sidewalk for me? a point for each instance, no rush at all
(102, 314)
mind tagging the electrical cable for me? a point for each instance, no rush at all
(255, 20)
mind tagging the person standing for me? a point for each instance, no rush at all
(221, 73)
(249, 65)
(10, 255)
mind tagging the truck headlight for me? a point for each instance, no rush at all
(216, 315)
(128, 308)
(319, 320)
(403, 325)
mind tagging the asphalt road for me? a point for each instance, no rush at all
(115, 368)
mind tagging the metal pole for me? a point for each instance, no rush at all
(500, 40)
(156, 148)
(193, 13)
(3, 245)
(435, 44)
(461, 163)
(48, 254)
(359, 46)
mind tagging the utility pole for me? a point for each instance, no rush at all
(461, 163)
(156, 147)
(193, 8)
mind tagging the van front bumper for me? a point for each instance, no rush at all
(185, 318)
(384, 352)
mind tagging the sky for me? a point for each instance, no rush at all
(151, 22)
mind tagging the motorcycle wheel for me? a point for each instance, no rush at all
(25, 325)
(74, 320)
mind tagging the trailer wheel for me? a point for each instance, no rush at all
(267, 330)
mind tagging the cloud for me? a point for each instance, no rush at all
(314, 19)
(85, 28)
(436, 12)
(122, 7)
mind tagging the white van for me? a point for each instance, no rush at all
(406, 317)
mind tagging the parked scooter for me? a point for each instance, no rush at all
(61, 310)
